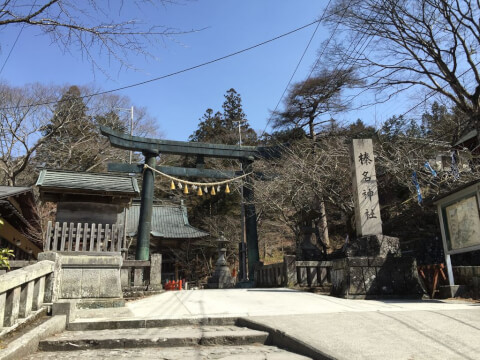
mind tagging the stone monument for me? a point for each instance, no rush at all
(221, 278)
(371, 265)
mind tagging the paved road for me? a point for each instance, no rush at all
(339, 328)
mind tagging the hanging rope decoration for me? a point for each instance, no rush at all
(197, 186)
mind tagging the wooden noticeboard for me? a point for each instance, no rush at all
(459, 215)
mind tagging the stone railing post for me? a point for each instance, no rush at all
(53, 280)
(26, 299)
(12, 307)
(155, 272)
(38, 293)
(290, 271)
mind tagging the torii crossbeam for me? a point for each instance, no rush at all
(151, 148)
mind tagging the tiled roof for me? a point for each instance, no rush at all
(7, 191)
(167, 222)
(104, 184)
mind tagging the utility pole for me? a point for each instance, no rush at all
(131, 128)
(131, 132)
(125, 219)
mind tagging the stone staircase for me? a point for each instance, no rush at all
(159, 339)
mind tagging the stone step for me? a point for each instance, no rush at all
(244, 352)
(95, 323)
(175, 336)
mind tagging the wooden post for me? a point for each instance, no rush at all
(64, 234)
(77, 237)
(55, 237)
(85, 236)
(145, 219)
(92, 237)
(99, 237)
(70, 236)
(48, 239)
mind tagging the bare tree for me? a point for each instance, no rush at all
(305, 106)
(87, 25)
(54, 136)
(303, 177)
(429, 44)
(20, 125)
(307, 101)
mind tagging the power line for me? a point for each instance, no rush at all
(179, 71)
(16, 40)
(296, 68)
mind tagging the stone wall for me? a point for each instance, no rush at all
(469, 276)
(374, 277)
(82, 276)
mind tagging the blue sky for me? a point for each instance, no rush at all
(177, 103)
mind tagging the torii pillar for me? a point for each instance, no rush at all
(146, 205)
(250, 219)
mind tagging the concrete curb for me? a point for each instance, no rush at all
(28, 343)
(284, 341)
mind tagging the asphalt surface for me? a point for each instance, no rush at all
(337, 328)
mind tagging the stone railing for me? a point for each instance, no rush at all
(25, 290)
(142, 275)
(70, 237)
(313, 273)
(272, 275)
(293, 273)
(17, 264)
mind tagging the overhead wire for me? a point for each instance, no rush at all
(296, 67)
(16, 40)
(337, 70)
(175, 72)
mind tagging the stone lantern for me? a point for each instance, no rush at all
(221, 278)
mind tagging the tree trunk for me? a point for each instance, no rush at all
(324, 225)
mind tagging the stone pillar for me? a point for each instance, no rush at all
(26, 299)
(145, 219)
(52, 281)
(38, 293)
(250, 220)
(365, 190)
(155, 272)
(12, 307)
(290, 270)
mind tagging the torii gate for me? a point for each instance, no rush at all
(151, 148)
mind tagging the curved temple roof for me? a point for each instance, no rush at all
(93, 183)
(168, 221)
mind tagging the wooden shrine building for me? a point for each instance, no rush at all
(88, 209)
(19, 222)
(170, 229)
